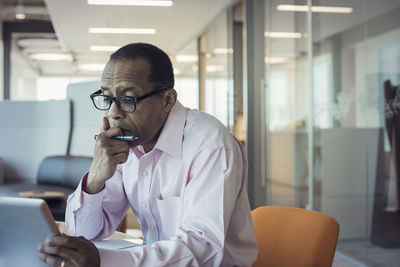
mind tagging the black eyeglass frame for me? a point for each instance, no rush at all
(115, 99)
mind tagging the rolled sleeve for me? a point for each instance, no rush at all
(96, 216)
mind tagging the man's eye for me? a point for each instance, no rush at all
(106, 100)
(127, 101)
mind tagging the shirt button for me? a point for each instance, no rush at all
(144, 204)
(153, 228)
(145, 173)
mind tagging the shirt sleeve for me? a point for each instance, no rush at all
(96, 216)
(207, 205)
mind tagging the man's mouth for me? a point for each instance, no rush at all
(127, 133)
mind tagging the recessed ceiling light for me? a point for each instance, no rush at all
(214, 68)
(20, 16)
(223, 50)
(19, 11)
(104, 48)
(122, 30)
(282, 34)
(51, 57)
(321, 9)
(46, 43)
(186, 58)
(130, 2)
(91, 67)
(276, 60)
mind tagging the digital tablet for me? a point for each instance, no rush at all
(24, 224)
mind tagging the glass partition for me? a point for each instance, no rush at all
(186, 69)
(287, 79)
(218, 53)
(354, 110)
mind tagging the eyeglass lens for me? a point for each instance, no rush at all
(124, 104)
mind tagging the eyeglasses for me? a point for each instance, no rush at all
(124, 103)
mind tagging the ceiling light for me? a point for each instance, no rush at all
(215, 68)
(276, 60)
(282, 34)
(51, 57)
(104, 48)
(122, 30)
(19, 11)
(223, 51)
(321, 9)
(91, 67)
(130, 2)
(186, 58)
(46, 43)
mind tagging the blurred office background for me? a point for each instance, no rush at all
(308, 86)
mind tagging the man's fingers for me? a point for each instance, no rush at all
(51, 260)
(111, 132)
(105, 125)
(68, 254)
(62, 241)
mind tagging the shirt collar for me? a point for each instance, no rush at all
(171, 136)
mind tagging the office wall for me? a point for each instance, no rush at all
(29, 132)
(1, 56)
(86, 119)
(350, 172)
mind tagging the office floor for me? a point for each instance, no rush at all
(366, 254)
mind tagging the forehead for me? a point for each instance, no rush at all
(126, 72)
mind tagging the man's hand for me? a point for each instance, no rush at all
(73, 251)
(108, 153)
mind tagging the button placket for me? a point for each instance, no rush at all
(145, 170)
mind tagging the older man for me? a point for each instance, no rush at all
(183, 174)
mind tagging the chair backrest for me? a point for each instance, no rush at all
(294, 237)
(63, 170)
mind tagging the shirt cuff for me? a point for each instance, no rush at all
(120, 258)
(80, 199)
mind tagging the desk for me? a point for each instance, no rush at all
(116, 235)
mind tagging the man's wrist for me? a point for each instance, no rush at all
(91, 187)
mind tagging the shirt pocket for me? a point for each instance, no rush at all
(170, 209)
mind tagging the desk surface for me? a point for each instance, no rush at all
(116, 235)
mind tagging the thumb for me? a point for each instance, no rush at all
(105, 125)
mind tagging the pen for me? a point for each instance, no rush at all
(121, 138)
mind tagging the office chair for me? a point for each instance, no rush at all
(294, 237)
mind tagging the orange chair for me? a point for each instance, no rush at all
(294, 237)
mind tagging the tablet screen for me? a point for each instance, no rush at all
(24, 224)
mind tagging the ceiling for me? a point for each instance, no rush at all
(175, 27)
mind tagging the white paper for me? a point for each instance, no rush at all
(115, 244)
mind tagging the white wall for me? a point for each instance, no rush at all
(29, 132)
(349, 169)
(1, 57)
(86, 118)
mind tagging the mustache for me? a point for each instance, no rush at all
(114, 123)
(125, 129)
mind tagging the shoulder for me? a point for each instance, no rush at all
(202, 130)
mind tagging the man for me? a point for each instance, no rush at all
(184, 177)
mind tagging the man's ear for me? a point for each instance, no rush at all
(169, 99)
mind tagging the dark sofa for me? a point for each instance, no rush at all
(56, 173)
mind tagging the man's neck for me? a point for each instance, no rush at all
(148, 147)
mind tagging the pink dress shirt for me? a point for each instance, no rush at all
(188, 193)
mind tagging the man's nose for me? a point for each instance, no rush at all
(114, 112)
